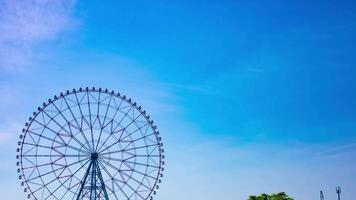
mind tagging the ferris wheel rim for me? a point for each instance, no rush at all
(133, 104)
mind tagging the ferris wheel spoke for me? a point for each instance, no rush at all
(123, 130)
(108, 173)
(117, 169)
(107, 108)
(32, 172)
(55, 141)
(80, 129)
(122, 172)
(82, 118)
(102, 182)
(55, 121)
(101, 126)
(113, 179)
(118, 186)
(137, 181)
(46, 127)
(84, 180)
(46, 155)
(91, 122)
(112, 166)
(30, 161)
(37, 145)
(113, 192)
(69, 125)
(122, 119)
(120, 140)
(140, 147)
(137, 139)
(69, 188)
(112, 130)
(37, 166)
(116, 111)
(76, 191)
(52, 171)
(64, 181)
(145, 174)
(66, 190)
(128, 161)
(70, 177)
(114, 159)
(99, 150)
(46, 184)
(75, 139)
(106, 170)
(129, 149)
(138, 129)
(135, 191)
(132, 121)
(59, 136)
(138, 155)
(70, 134)
(76, 121)
(97, 118)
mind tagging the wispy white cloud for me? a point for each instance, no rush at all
(24, 23)
(336, 150)
(187, 87)
(208, 85)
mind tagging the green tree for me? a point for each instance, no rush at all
(276, 196)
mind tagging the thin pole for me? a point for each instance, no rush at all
(338, 191)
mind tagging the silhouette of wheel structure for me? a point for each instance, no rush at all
(90, 144)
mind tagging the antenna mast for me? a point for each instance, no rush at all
(338, 192)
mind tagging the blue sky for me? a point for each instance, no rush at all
(250, 96)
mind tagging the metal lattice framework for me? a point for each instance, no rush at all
(90, 144)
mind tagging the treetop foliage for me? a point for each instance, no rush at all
(276, 196)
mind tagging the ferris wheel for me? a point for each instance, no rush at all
(90, 144)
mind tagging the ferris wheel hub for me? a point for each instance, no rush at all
(94, 156)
